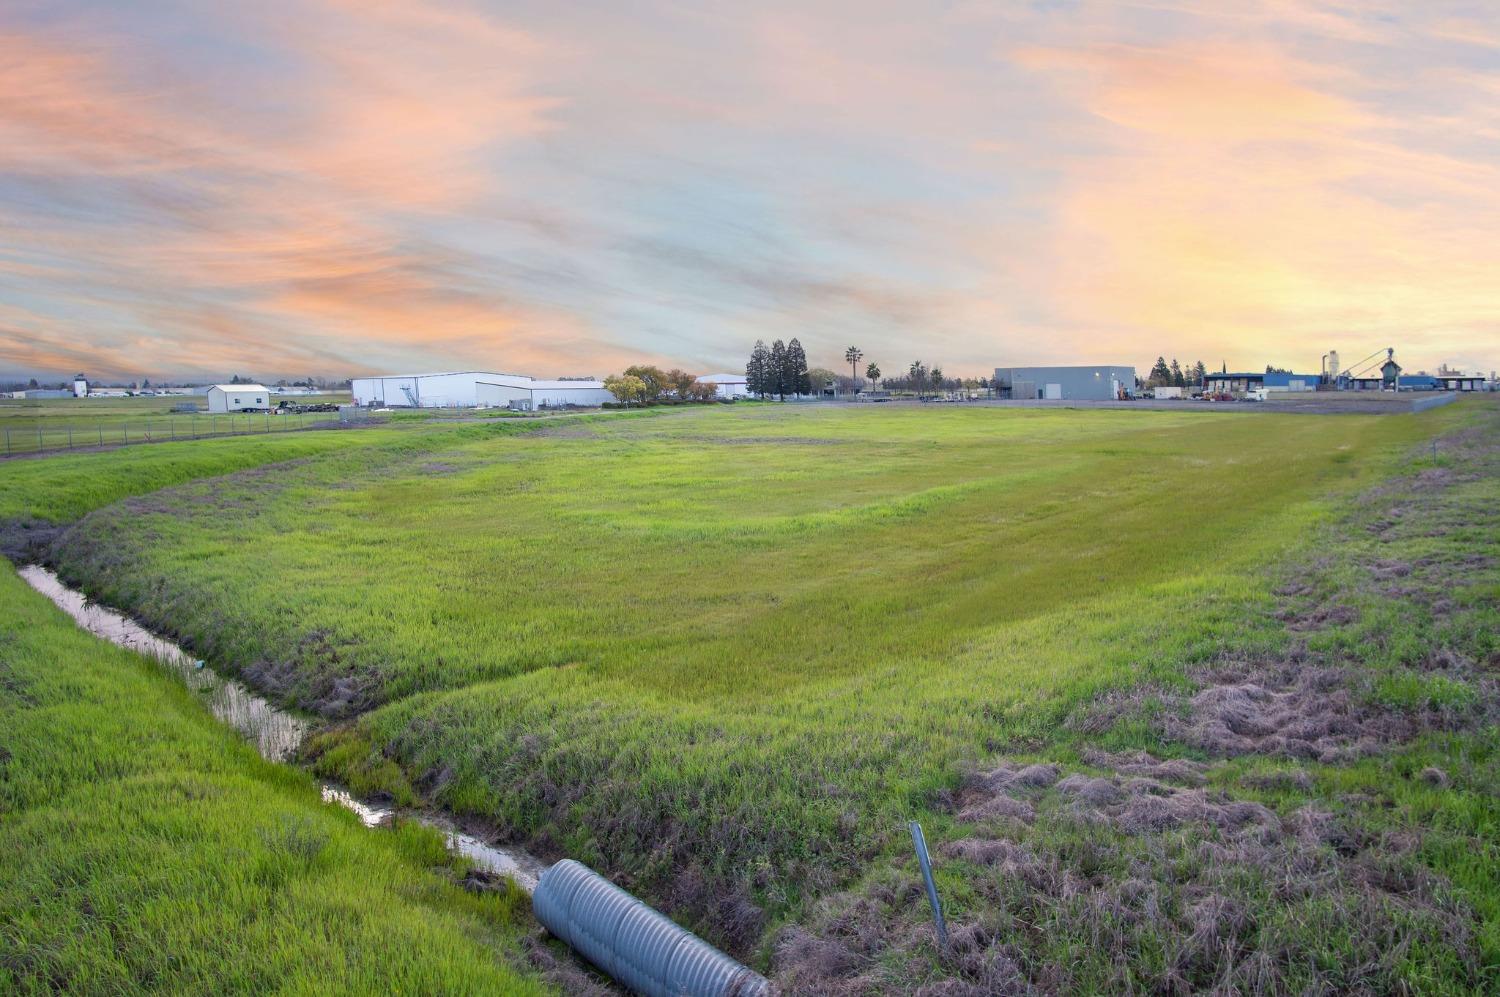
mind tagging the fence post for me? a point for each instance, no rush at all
(38, 437)
(101, 434)
(70, 437)
(932, 895)
(7, 441)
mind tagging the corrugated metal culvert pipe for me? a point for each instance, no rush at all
(637, 946)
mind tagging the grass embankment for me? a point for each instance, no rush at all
(144, 848)
(148, 849)
(721, 654)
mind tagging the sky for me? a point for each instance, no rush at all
(320, 187)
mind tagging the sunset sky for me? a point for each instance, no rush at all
(289, 187)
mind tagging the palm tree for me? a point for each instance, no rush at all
(937, 380)
(918, 375)
(873, 373)
(852, 357)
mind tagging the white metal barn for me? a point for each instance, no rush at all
(727, 385)
(467, 389)
(238, 397)
(528, 394)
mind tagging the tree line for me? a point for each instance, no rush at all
(1173, 375)
(645, 384)
(781, 370)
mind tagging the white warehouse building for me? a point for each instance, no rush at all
(238, 397)
(727, 385)
(470, 388)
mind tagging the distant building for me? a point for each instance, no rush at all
(1459, 382)
(1246, 383)
(470, 388)
(238, 398)
(727, 385)
(527, 394)
(1065, 383)
(80, 386)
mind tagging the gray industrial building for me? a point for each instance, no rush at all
(1065, 383)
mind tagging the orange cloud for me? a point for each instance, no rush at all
(301, 225)
(1242, 199)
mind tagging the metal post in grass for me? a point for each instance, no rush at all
(7, 441)
(101, 434)
(70, 437)
(39, 437)
(932, 895)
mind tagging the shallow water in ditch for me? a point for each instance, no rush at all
(275, 732)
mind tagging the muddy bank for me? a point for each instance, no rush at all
(276, 733)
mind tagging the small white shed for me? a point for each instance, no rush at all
(238, 398)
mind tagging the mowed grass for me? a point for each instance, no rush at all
(721, 653)
(146, 849)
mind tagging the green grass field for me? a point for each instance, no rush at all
(737, 640)
(145, 849)
(721, 654)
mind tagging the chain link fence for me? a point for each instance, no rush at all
(41, 436)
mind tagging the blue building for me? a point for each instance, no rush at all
(1245, 383)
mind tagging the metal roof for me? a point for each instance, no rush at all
(441, 373)
(531, 382)
(239, 387)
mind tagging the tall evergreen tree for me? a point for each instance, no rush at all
(1160, 372)
(757, 371)
(1200, 373)
(798, 383)
(777, 379)
(1176, 374)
